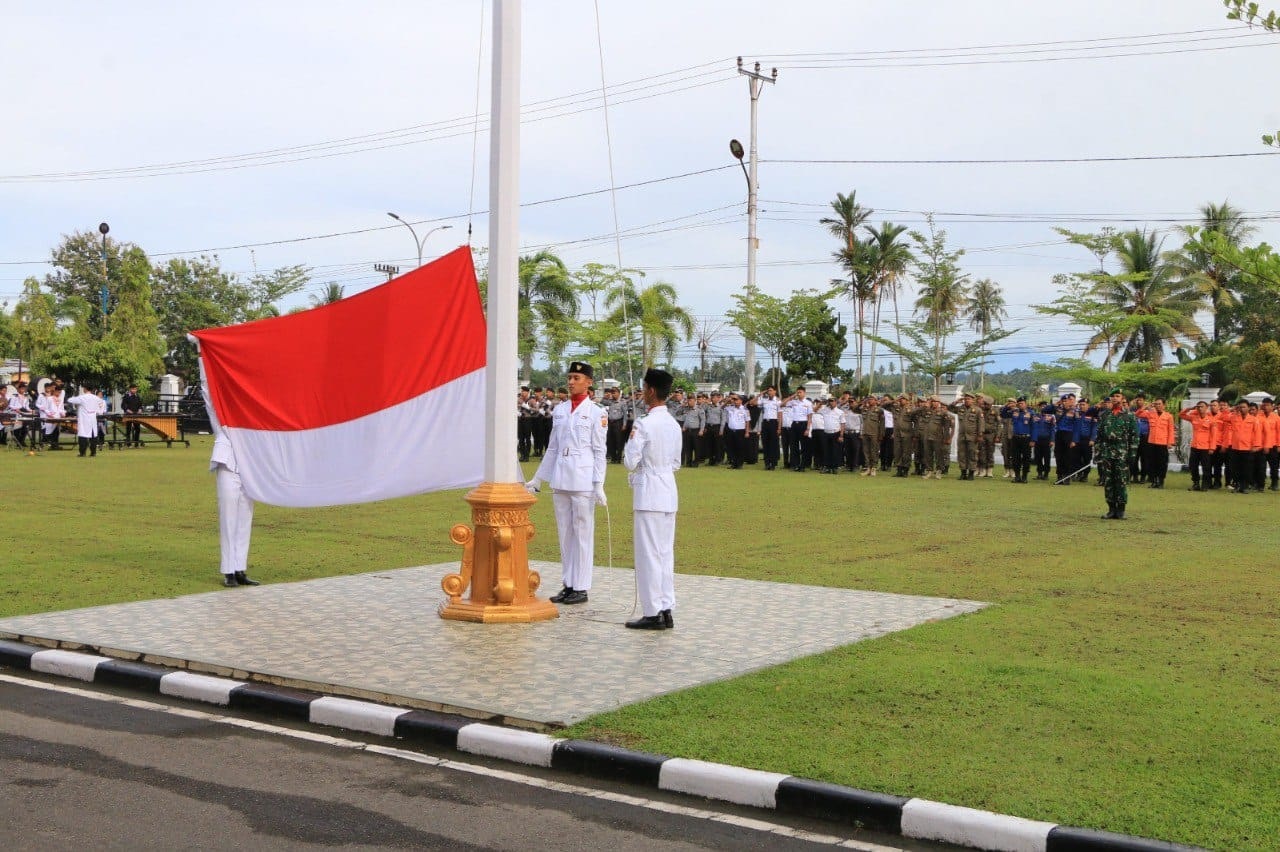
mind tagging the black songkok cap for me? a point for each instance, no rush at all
(659, 380)
(582, 367)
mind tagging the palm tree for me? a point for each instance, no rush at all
(888, 260)
(1159, 306)
(331, 293)
(1198, 265)
(849, 216)
(653, 312)
(985, 311)
(547, 301)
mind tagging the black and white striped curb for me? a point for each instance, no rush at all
(915, 818)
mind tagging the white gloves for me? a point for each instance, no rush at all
(600, 499)
(533, 486)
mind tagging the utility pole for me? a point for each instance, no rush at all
(755, 82)
(387, 270)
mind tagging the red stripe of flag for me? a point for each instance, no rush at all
(352, 358)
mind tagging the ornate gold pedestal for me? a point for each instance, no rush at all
(495, 560)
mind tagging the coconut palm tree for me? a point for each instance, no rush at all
(852, 256)
(888, 259)
(331, 293)
(1196, 264)
(1158, 306)
(654, 314)
(547, 301)
(985, 311)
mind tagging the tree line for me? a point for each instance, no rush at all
(106, 315)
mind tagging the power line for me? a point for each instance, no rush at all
(419, 134)
(1135, 158)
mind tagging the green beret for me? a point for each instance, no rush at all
(1115, 391)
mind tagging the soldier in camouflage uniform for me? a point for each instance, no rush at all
(904, 434)
(936, 425)
(969, 420)
(990, 435)
(1116, 446)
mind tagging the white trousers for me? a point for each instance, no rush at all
(576, 526)
(655, 543)
(235, 521)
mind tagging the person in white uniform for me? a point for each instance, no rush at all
(653, 456)
(51, 411)
(235, 514)
(88, 406)
(573, 465)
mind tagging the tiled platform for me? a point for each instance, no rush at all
(377, 636)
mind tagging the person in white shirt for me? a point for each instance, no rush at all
(88, 407)
(736, 428)
(853, 434)
(770, 426)
(653, 456)
(235, 514)
(833, 432)
(801, 447)
(573, 465)
(51, 411)
(20, 407)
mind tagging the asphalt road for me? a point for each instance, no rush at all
(82, 767)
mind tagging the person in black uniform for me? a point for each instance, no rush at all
(131, 403)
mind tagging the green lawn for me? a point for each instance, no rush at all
(1126, 678)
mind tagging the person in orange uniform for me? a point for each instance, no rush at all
(1204, 440)
(1258, 456)
(1244, 440)
(1271, 440)
(1222, 456)
(1159, 440)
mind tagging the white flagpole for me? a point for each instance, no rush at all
(501, 382)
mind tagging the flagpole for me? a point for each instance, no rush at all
(495, 557)
(504, 227)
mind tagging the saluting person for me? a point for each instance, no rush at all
(1116, 446)
(573, 465)
(653, 456)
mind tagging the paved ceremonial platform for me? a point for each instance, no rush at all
(377, 637)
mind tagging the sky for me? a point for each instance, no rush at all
(282, 133)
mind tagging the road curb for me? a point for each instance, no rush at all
(907, 817)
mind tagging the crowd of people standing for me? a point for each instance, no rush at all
(1232, 446)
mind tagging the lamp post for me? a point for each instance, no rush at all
(103, 229)
(419, 243)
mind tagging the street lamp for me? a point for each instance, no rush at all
(419, 243)
(103, 229)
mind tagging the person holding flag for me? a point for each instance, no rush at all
(574, 465)
(653, 456)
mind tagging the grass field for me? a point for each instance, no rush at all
(1127, 677)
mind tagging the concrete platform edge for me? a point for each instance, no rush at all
(796, 796)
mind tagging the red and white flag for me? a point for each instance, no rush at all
(376, 396)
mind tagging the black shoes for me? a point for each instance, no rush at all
(1116, 513)
(242, 579)
(229, 581)
(569, 596)
(661, 621)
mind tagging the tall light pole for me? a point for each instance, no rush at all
(104, 229)
(419, 243)
(755, 82)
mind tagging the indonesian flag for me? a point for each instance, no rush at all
(376, 396)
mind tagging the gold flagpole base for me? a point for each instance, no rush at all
(495, 561)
